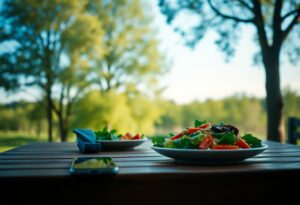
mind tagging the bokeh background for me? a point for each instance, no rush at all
(138, 66)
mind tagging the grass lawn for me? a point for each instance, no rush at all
(9, 140)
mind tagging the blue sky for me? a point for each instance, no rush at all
(203, 73)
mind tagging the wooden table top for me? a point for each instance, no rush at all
(54, 159)
(142, 167)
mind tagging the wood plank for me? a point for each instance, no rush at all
(136, 159)
(138, 163)
(123, 155)
(36, 156)
(143, 170)
(141, 156)
(179, 170)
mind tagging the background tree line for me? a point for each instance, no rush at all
(95, 110)
(65, 48)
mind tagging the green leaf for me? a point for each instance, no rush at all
(169, 144)
(171, 135)
(158, 141)
(195, 140)
(218, 135)
(184, 143)
(228, 139)
(222, 124)
(252, 141)
(104, 134)
(198, 123)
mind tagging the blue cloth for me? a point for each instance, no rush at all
(85, 147)
(85, 135)
(86, 141)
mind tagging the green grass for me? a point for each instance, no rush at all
(9, 140)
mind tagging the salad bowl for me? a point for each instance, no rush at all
(120, 144)
(209, 143)
(209, 156)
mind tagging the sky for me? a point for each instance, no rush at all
(202, 73)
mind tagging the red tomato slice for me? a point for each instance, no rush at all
(204, 126)
(206, 142)
(195, 129)
(242, 144)
(136, 137)
(175, 137)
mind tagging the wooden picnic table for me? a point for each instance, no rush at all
(40, 171)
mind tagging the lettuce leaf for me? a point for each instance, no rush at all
(197, 139)
(104, 134)
(158, 141)
(252, 141)
(184, 142)
(198, 123)
(228, 139)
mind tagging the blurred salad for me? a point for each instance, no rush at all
(106, 134)
(204, 135)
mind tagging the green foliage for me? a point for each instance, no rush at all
(225, 19)
(22, 116)
(292, 102)
(116, 111)
(145, 113)
(42, 32)
(275, 25)
(247, 113)
(131, 56)
(171, 116)
(47, 44)
(64, 47)
(96, 110)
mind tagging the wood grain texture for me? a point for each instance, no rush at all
(154, 177)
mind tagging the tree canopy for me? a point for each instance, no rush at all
(276, 23)
(131, 55)
(63, 48)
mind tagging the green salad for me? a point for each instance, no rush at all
(204, 135)
(113, 135)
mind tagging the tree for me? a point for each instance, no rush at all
(98, 110)
(275, 22)
(131, 56)
(72, 85)
(145, 114)
(41, 35)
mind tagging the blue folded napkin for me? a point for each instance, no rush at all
(85, 135)
(86, 141)
(85, 147)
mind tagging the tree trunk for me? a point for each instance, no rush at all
(63, 126)
(49, 115)
(275, 126)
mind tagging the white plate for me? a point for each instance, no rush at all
(209, 156)
(120, 144)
